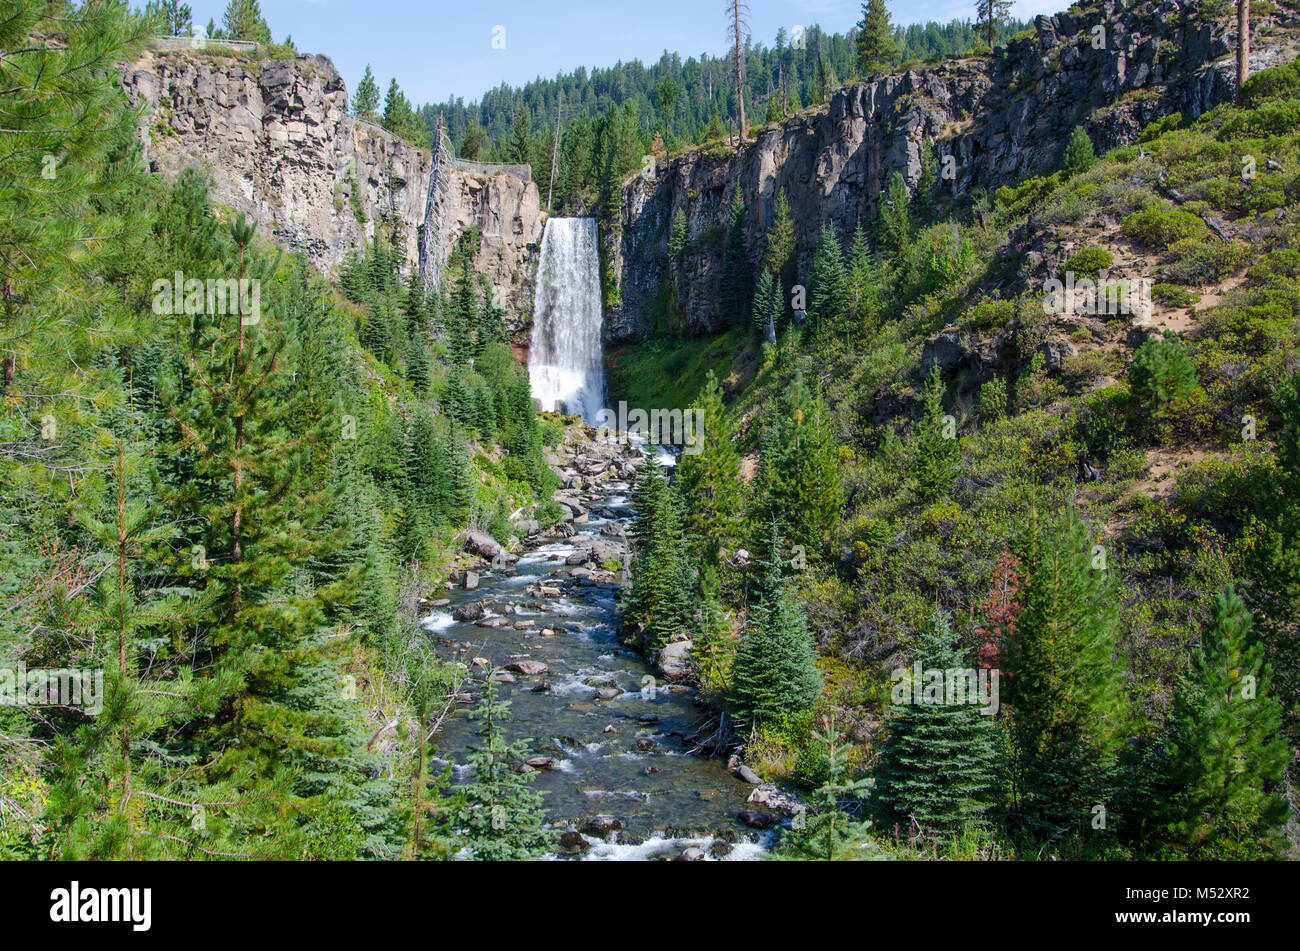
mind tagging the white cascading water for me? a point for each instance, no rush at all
(565, 362)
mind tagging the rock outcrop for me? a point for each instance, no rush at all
(275, 138)
(1112, 69)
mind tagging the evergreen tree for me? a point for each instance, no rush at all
(767, 306)
(737, 283)
(777, 258)
(1161, 375)
(828, 291)
(660, 599)
(938, 457)
(990, 16)
(497, 813)
(243, 20)
(876, 49)
(365, 103)
(774, 674)
(709, 472)
(1079, 156)
(174, 17)
(937, 765)
(1225, 745)
(894, 226)
(828, 830)
(1063, 684)
(520, 138)
(800, 480)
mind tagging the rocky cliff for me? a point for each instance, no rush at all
(1112, 69)
(276, 140)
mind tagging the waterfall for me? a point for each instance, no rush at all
(565, 362)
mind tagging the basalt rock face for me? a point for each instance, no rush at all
(276, 141)
(991, 121)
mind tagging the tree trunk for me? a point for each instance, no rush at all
(1243, 45)
(740, 70)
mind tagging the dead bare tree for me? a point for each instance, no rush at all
(1243, 46)
(738, 31)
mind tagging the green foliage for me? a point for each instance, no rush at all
(876, 50)
(1161, 225)
(937, 456)
(365, 101)
(1079, 156)
(894, 226)
(1064, 688)
(1226, 754)
(774, 673)
(937, 769)
(1161, 374)
(1086, 262)
(827, 831)
(709, 473)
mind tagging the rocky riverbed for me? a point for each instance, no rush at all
(611, 735)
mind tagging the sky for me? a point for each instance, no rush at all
(441, 48)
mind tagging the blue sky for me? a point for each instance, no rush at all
(438, 48)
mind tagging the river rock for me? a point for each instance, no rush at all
(572, 841)
(529, 668)
(440, 603)
(756, 820)
(769, 796)
(484, 545)
(672, 661)
(480, 662)
(503, 677)
(608, 693)
(741, 771)
(691, 854)
(600, 826)
(471, 580)
(468, 612)
(541, 762)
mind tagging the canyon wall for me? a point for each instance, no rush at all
(1112, 69)
(277, 143)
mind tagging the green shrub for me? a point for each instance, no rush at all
(1173, 296)
(1088, 261)
(1158, 128)
(993, 399)
(1280, 82)
(1161, 374)
(1196, 262)
(1161, 225)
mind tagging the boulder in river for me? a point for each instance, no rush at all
(485, 546)
(572, 841)
(468, 612)
(690, 854)
(756, 820)
(608, 693)
(529, 668)
(673, 660)
(471, 580)
(600, 826)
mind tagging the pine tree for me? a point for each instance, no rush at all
(780, 239)
(174, 17)
(766, 301)
(990, 15)
(938, 457)
(709, 472)
(736, 288)
(1161, 375)
(828, 830)
(521, 130)
(1225, 745)
(365, 103)
(894, 226)
(1079, 156)
(828, 291)
(243, 20)
(800, 479)
(1063, 684)
(498, 814)
(864, 297)
(660, 599)
(774, 674)
(937, 765)
(876, 49)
